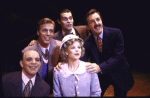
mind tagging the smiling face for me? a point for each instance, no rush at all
(45, 33)
(66, 21)
(74, 51)
(30, 63)
(95, 23)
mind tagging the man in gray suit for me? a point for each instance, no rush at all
(46, 47)
(26, 83)
(66, 21)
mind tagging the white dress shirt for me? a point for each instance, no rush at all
(25, 80)
(43, 50)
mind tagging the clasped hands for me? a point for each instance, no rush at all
(93, 67)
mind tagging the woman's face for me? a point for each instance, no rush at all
(74, 51)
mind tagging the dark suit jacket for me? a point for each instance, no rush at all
(112, 60)
(12, 86)
(81, 31)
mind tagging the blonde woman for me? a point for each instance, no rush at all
(73, 80)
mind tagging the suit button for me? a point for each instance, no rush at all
(77, 87)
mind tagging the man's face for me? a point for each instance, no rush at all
(30, 63)
(66, 21)
(45, 34)
(95, 24)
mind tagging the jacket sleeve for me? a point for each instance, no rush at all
(56, 85)
(118, 57)
(95, 86)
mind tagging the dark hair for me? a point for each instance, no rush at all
(44, 21)
(63, 11)
(92, 11)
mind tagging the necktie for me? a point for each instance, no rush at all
(99, 43)
(68, 33)
(46, 53)
(26, 91)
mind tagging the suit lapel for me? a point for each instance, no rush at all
(51, 50)
(36, 89)
(94, 49)
(40, 71)
(60, 35)
(77, 33)
(106, 39)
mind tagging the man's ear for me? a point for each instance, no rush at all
(58, 21)
(21, 63)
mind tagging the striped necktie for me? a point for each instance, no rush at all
(99, 43)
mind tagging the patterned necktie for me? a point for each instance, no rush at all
(26, 91)
(46, 54)
(99, 43)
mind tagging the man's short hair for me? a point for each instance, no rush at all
(63, 11)
(92, 11)
(44, 21)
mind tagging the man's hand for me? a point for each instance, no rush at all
(58, 66)
(32, 42)
(94, 68)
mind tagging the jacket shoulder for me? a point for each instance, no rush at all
(58, 42)
(34, 47)
(11, 77)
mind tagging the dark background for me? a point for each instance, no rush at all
(20, 17)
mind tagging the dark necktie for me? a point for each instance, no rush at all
(99, 43)
(68, 33)
(26, 91)
(46, 54)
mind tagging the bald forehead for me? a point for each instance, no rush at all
(31, 53)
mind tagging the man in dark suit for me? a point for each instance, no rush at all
(107, 54)
(16, 84)
(66, 21)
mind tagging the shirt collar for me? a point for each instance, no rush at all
(72, 31)
(101, 36)
(26, 79)
(43, 49)
(66, 72)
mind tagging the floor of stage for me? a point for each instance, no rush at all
(140, 88)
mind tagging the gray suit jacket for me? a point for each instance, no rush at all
(81, 31)
(53, 59)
